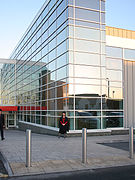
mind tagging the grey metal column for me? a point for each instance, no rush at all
(131, 141)
(84, 145)
(28, 148)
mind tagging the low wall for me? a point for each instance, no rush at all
(37, 128)
(42, 129)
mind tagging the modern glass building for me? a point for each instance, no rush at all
(64, 62)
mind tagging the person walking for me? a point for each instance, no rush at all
(2, 125)
(63, 125)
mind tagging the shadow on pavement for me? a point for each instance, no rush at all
(118, 145)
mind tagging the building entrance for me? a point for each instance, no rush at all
(10, 119)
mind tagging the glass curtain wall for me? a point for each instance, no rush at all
(113, 104)
(61, 65)
(41, 69)
(87, 79)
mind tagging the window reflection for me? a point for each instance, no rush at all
(62, 73)
(86, 15)
(88, 24)
(114, 52)
(114, 75)
(92, 4)
(112, 103)
(114, 63)
(129, 53)
(88, 103)
(87, 58)
(85, 33)
(89, 123)
(90, 71)
(87, 81)
(87, 46)
(113, 122)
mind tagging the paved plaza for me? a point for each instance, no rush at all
(52, 154)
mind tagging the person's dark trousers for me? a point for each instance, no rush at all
(2, 133)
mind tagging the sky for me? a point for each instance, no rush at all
(16, 16)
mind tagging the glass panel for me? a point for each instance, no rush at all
(87, 15)
(116, 84)
(114, 63)
(87, 58)
(103, 36)
(113, 113)
(114, 52)
(51, 77)
(51, 121)
(61, 73)
(88, 103)
(61, 19)
(52, 55)
(85, 23)
(52, 66)
(87, 113)
(85, 33)
(92, 4)
(70, 12)
(116, 93)
(129, 53)
(51, 104)
(112, 103)
(70, 90)
(89, 123)
(62, 91)
(103, 17)
(62, 60)
(113, 122)
(70, 103)
(62, 36)
(61, 104)
(70, 2)
(113, 75)
(71, 120)
(61, 48)
(90, 71)
(87, 46)
(102, 6)
(61, 7)
(44, 120)
(70, 44)
(87, 81)
(51, 93)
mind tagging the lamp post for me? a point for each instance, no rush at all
(113, 94)
(108, 86)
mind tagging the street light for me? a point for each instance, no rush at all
(108, 86)
(113, 94)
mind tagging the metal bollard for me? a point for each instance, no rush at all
(28, 148)
(84, 145)
(131, 141)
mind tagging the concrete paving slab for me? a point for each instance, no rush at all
(51, 154)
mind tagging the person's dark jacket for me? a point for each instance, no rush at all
(1, 121)
(66, 127)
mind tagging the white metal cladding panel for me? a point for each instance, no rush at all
(120, 42)
(130, 112)
(133, 92)
(125, 93)
(129, 93)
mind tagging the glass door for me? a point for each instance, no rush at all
(10, 119)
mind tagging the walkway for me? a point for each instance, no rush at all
(52, 154)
